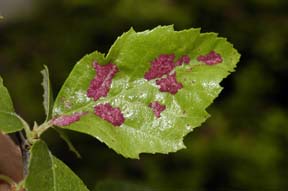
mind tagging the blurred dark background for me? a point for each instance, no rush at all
(243, 146)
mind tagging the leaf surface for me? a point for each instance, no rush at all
(47, 95)
(47, 173)
(67, 140)
(133, 54)
(9, 121)
(48, 104)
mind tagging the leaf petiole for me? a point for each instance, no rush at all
(7, 179)
(38, 130)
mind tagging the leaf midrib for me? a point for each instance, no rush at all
(53, 171)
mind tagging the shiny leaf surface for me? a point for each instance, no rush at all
(9, 121)
(47, 173)
(134, 54)
(47, 94)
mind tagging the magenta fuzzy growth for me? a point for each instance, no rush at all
(183, 59)
(100, 85)
(162, 65)
(210, 58)
(110, 114)
(169, 84)
(157, 108)
(65, 120)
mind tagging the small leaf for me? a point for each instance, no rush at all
(65, 137)
(47, 95)
(48, 104)
(5, 100)
(47, 173)
(154, 66)
(9, 120)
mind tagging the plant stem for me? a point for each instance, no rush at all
(24, 146)
(38, 130)
(31, 137)
(7, 179)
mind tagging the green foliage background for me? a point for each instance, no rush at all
(242, 146)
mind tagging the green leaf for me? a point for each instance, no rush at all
(47, 173)
(48, 104)
(65, 138)
(9, 120)
(47, 95)
(5, 100)
(133, 53)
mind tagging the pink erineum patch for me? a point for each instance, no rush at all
(157, 108)
(162, 65)
(110, 114)
(100, 85)
(65, 120)
(210, 58)
(169, 84)
(183, 59)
